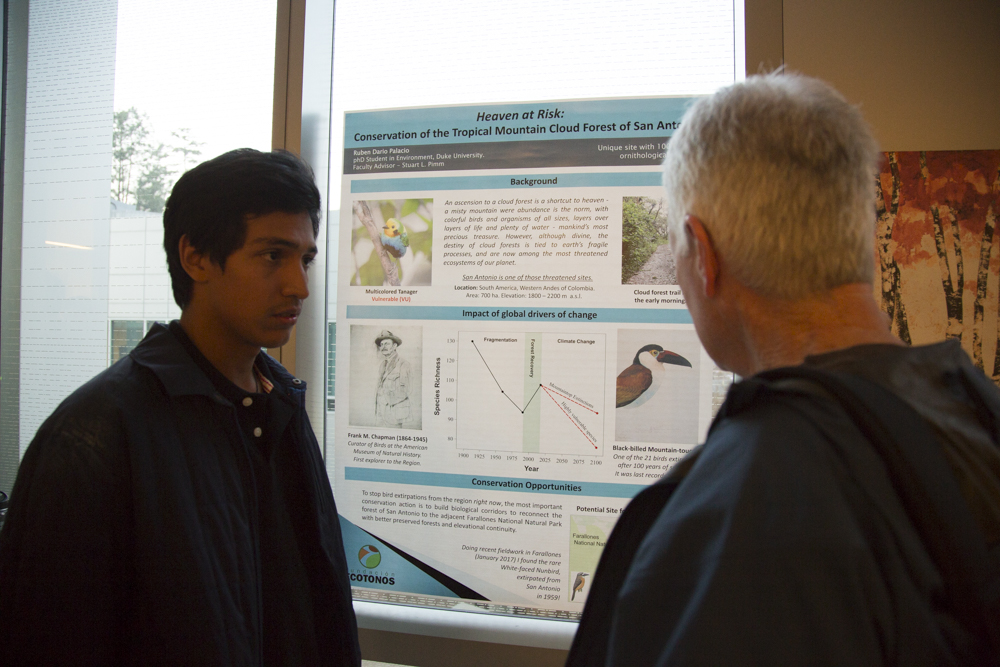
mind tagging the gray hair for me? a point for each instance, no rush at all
(781, 171)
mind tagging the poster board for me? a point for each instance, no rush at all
(515, 359)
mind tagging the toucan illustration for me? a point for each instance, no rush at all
(637, 383)
(394, 238)
(578, 584)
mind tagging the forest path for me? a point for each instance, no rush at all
(659, 269)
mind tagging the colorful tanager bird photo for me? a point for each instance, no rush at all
(394, 238)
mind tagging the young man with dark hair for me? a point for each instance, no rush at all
(175, 509)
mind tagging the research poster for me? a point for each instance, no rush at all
(515, 361)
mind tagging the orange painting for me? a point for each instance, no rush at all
(937, 248)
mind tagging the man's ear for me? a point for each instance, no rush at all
(194, 262)
(706, 257)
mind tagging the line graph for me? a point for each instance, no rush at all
(498, 382)
(573, 419)
(505, 378)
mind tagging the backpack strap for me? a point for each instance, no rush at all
(927, 487)
(590, 644)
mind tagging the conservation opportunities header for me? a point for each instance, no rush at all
(586, 119)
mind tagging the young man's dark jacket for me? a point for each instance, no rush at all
(132, 535)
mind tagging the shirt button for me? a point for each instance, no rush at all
(247, 402)
(257, 432)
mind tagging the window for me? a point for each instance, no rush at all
(117, 99)
(438, 54)
(331, 365)
(125, 335)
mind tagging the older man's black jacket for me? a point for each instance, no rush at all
(132, 536)
(782, 540)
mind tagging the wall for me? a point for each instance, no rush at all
(926, 73)
(67, 174)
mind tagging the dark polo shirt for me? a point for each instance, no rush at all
(289, 627)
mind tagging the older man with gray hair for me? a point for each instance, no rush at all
(785, 538)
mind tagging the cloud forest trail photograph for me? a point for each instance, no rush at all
(659, 269)
(646, 256)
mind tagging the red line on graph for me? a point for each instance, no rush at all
(570, 418)
(570, 400)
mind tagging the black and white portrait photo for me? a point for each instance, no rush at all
(385, 376)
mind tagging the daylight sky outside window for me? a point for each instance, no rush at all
(205, 66)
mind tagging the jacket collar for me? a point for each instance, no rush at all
(165, 356)
(290, 384)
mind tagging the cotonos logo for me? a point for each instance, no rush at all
(369, 556)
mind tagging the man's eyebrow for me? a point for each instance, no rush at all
(278, 241)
